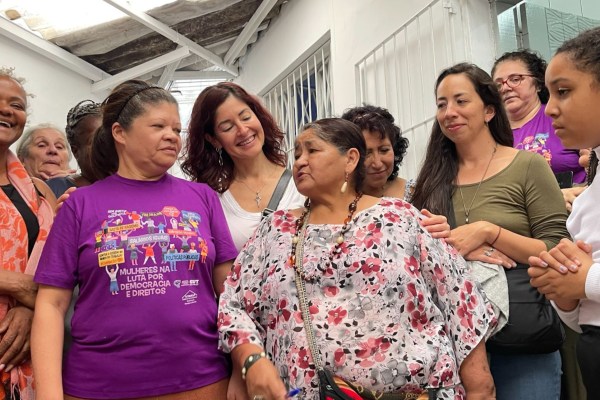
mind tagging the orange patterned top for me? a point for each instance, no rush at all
(13, 257)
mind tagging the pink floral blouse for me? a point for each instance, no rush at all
(397, 309)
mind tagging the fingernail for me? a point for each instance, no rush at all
(9, 368)
(577, 262)
(514, 264)
(2, 367)
(544, 264)
(563, 269)
(573, 268)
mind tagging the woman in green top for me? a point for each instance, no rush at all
(506, 203)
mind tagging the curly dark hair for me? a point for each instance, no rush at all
(201, 160)
(76, 114)
(534, 63)
(584, 51)
(378, 119)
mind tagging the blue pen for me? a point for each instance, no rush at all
(293, 393)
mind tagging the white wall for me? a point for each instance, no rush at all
(355, 27)
(300, 25)
(358, 27)
(56, 88)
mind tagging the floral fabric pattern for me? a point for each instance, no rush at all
(18, 383)
(396, 309)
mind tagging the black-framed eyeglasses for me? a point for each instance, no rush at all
(512, 81)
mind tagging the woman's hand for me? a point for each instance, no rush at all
(237, 388)
(469, 237)
(571, 194)
(564, 257)
(56, 174)
(436, 225)
(15, 329)
(488, 254)
(263, 381)
(549, 274)
(63, 197)
(584, 157)
(19, 286)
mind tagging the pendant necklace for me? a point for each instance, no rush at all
(257, 196)
(468, 210)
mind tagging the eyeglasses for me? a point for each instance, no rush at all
(512, 81)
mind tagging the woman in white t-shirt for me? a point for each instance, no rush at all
(235, 146)
(569, 274)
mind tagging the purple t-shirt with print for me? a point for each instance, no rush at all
(142, 252)
(537, 136)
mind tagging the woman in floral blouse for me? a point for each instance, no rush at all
(392, 308)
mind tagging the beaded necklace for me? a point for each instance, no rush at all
(337, 247)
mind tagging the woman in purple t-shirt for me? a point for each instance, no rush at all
(519, 76)
(142, 327)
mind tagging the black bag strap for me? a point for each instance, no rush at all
(278, 192)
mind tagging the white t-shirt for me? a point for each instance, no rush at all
(242, 223)
(582, 225)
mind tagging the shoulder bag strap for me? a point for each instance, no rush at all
(277, 193)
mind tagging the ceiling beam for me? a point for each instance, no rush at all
(200, 75)
(50, 50)
(251, 26)
(167, 74)
(171, 34)
(141, 69)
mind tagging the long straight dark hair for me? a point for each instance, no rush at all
(436, 181)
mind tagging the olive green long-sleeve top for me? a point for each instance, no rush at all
(523, 198)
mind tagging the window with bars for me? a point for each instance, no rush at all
(303, 96)
(399, 73)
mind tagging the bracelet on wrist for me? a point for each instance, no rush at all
(497, 236)
(250, 361)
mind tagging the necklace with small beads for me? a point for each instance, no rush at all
(339, 240)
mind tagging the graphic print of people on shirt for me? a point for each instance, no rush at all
(125, 235)
(112, 274)
(149, 252)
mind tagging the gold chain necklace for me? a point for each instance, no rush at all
(468, 210)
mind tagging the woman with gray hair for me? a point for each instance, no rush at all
(44, 152)
(83, 120)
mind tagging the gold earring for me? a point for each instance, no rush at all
(344, 185)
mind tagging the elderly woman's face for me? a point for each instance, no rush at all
(523, 96)
(319, 167)
(47, 153)
(13, 115)
(151, 144)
